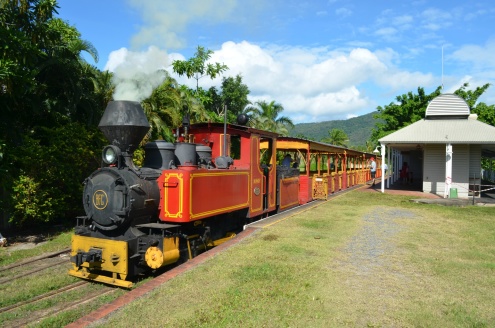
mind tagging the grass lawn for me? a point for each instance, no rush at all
(361, 259)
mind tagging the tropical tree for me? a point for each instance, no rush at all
(407, 109)
(192, 106)
(46, 91)
(486, 113)
(265, 116)
(336, 137)
(103, 87)
(197, 67)
(233, 96)
(168, 106)
(163, 110)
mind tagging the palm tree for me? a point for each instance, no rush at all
(336, 137)
(103, 87)
(192, 106)
(265, 116)
(163, 110)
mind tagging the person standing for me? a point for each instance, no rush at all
(287, 160)
(404, 173)
(373, 169)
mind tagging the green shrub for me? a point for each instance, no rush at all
(47, 171)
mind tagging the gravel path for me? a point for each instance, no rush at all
(371, 270)
(367, 248)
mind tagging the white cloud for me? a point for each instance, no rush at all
(386, 32)
(404, 20)
(435, 19)
(164, 23)
(479, 67)
(313, 84)
(476, 55)
(343, 12)
(397, 80)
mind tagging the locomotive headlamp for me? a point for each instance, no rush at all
(110, 154)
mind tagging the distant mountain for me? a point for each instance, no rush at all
(358, 129)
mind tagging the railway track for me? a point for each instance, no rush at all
(34, 259)
(36, 316)
(53, 260)
(43, 296)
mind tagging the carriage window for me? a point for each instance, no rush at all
(235, 147)
(266, 149)
(324, 162)
(313, 163)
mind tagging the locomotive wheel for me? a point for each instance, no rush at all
(154, 257)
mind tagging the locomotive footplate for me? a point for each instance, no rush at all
(90, 256)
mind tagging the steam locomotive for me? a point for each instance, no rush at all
(188, 196)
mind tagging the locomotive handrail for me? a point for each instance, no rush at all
(264, 185)
(170, 184)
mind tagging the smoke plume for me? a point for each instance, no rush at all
(137, 74)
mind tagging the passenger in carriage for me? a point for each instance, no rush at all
(287, 160)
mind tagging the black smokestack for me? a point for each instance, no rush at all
(124, 124)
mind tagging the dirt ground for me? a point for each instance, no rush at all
(24, 242)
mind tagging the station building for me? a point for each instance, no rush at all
(443, 151)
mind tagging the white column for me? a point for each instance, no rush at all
(389, 167)
(448, 170)
(382, 185)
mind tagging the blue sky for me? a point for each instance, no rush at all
(321, 59)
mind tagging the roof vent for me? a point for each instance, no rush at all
(447, 105)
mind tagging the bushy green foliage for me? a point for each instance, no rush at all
(336, 137)
(405, 110)
(47, 171)
(233, 95)
(30, 202)
(266, 116)
(50, 102)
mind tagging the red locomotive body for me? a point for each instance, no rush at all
(193, 192)
(190, 194)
